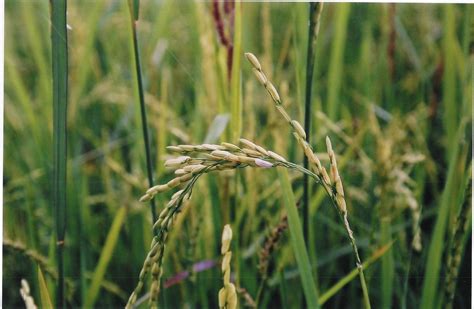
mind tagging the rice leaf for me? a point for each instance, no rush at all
(105, 257)
(44, 293)
(297, 241)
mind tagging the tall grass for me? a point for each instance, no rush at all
(404, 69)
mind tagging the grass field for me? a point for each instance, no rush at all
(392, 88)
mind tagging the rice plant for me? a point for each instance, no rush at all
(293, 155)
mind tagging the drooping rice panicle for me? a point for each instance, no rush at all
(333, 185)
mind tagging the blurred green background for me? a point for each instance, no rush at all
(392, 88)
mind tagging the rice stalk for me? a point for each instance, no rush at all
(133, 6)
(236, 80)
(60, 99)
(315, 9)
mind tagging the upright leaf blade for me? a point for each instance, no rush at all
(105, 257)
(297, 241)
(44, 293)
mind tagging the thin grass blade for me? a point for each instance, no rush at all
(44, 293)
(297, 241)
(105, 258)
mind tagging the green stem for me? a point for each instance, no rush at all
(315, 9)
(133, 8)
(60, 75)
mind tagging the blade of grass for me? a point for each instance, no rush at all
(133, 6)
(433, 264)
(297, 241)
(35, 39)
(105, 257)
(388, 264)
(335, 76)
(449, 78)
(315, 9)
(60, 91)
(44, 293)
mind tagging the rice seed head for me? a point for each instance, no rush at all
(25, 294)
(247, 143)
(180, 172)
(176, 195)
(25, 286)
(185, 177)
(211, 147)
(253, 60)
(174, 149)
(276, 156)
(273, 92)
(329, 146)
(173, 183)
(230, 146)
(163, 213)
(187, 147)
(221, 154)
(325, 176)
(231, 297)
(196, 168)
(145, 198)
(251, 152)
(339, 187)
(341, 204)
(226, 261)
(260, 76)
(283, 112)
(262, 150)
(298, 129)
(222, 297)
(246, 160)
(263, 163)
(157, 189)
(177, 162)
(226, 239)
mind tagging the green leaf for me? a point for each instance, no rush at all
(297, 241)
(433, 264)
(44, 293)
(105, 257)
